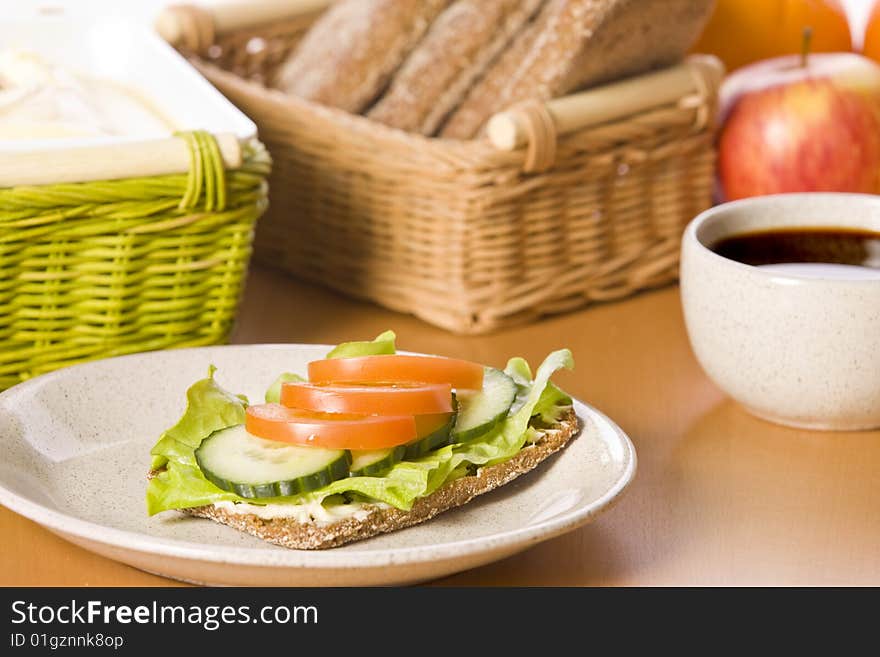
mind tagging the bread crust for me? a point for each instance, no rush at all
(456, 51)
(348, 56)
(380, 519)
(573, 44)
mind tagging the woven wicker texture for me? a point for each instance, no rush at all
(99, 269)
(460, 234)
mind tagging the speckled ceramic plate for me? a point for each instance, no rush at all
(75, 447)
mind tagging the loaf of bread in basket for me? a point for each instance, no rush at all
(441, 67)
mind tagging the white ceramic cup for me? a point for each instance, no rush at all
(801, 351)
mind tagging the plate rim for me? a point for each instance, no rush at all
(92, 532)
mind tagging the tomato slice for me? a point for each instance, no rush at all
(428, 424)
(398, 368)
(328, 430)
(398, 399)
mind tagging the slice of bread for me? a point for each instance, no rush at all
(380, 519)
(457, 49)
(575, 44)
(351, 52)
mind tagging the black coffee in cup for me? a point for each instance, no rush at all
(811, 251)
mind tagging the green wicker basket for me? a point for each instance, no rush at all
(96, 269)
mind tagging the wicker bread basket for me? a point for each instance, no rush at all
(582, 199)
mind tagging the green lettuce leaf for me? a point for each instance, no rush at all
(183, 485)
(180, 482)
(552, 400)
(384, 344)
(209, 408)
(180, 486)
(273, 394)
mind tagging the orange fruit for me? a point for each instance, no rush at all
(872, 35)
(744, 31)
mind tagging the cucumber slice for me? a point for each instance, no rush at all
(235, 460)
(376, 462)
(480, 411)
(434, 432)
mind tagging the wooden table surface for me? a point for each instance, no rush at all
(720, 498)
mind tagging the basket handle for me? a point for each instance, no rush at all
(196, 27)
(156, 157)
(536, 125)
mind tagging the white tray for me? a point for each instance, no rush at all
(132, 55)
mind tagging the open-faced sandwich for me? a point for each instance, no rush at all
(372, 441)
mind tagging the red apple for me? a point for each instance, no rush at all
(790, 127)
